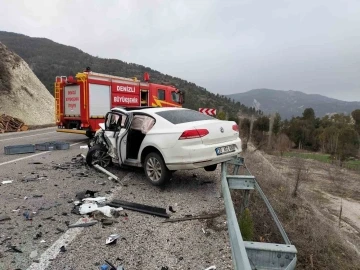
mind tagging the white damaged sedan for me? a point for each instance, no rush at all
(163, 140)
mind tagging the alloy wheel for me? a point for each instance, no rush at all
(101, 158)
(153, 169)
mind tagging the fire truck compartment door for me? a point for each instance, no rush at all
(72, 100)
(99, 100)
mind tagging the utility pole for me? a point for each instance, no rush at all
(251, 126)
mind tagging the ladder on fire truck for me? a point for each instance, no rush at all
(58, 81)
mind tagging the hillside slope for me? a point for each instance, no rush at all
(22, 95)
(49, 59)
(292, 103)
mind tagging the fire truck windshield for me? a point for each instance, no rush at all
(175, 97)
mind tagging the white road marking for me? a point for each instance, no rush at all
(51, 253)
(38, 154)
(27, 136)
(7, 134)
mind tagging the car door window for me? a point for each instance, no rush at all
(114, 121)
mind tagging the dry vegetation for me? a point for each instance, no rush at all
(314, 232)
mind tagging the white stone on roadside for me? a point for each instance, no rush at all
(33, 254)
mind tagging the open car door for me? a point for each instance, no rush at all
(116, 125)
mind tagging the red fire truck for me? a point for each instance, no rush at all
(82, 102)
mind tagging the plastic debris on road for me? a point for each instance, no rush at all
(97, 199)
(7, 182)
(87, 208)
(112, 239)
(28, 215)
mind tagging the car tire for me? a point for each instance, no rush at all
(210, 168)
(98, 155)
(155, 169)
(90, 134)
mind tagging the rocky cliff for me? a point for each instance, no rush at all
(22, 95)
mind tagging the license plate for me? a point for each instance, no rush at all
(225, 149)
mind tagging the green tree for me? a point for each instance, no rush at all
(348, 143)
(277, 124)
(309, 114)
(329, 140)
(246, 225)
(356, 116)
(262, 124)
(245, 128)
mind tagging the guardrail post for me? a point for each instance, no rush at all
(238, 251)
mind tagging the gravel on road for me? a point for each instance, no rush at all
(47, 190)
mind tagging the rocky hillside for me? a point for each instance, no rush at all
(49, 59)
(292, 103)
(22, 95)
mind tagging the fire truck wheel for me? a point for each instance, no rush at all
(210, 168)
(155, 169)
(98, 155)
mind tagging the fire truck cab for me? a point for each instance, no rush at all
(81, 103)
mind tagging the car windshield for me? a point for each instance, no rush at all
(183, 116)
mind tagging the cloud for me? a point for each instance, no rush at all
(225, 46)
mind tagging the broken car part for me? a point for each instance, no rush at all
(87, 208)
(7, 182)
(106, 172)
(193, 217)
(112, 239)
(83, 194)
(80, 225)
(97, 199)
(152, 210)
(112, 267)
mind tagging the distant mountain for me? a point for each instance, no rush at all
(49, 59)
(292, 103)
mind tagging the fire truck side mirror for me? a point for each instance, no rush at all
(182, 97)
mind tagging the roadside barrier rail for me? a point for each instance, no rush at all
(247, 255)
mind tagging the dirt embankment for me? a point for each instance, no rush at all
(308, 218)
(22, 95)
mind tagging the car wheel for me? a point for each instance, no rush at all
(98, 155)
(210, 168)
(155, 169)
(90, 134)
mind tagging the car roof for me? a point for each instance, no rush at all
(147, 109)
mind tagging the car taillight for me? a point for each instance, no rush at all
(193, 133)
(235, 127)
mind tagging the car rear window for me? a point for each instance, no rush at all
(183, 116)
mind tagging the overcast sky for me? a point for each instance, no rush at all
(225, 46)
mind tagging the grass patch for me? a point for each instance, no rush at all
(325, 158)
(319, 157)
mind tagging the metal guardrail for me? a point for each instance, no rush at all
(253, 255)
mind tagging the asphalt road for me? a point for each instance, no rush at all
(48, 187)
